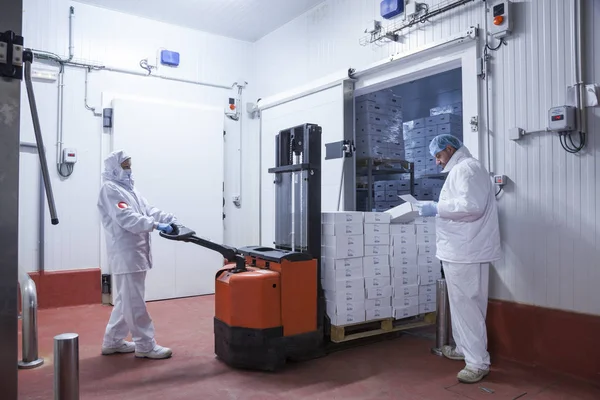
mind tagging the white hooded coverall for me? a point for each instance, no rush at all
(468, 239)
(128, 220)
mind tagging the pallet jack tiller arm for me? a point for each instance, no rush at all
(184, 234)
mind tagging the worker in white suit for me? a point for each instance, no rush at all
(468, 239)
(128, 220)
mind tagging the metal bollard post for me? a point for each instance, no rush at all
(442, 331)
(29, 334)
(66, 366)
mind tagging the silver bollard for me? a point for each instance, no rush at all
(442, 331)
(29, 334)
(66, 366)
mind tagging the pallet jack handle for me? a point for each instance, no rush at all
(184, 234)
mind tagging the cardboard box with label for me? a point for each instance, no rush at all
(379, 292)
(423, 289)
(347, 319)
(342, 217)
(376, 271)
(425, 260)
(345, 295)
(345, 228)
(376, 250)
(406, 312)
(427, 308)
(376, 218)
(427, 298)
(406, 291)
(347, 307)
(426, 239)
(371, 304)
(341, 274)
(405, 280)
(341, 263)
(404, 250)
(402, 229)
(401, 302)
(426, 249)
(377, 239)
(379, 313)
(406, 212)
(343, 285)
(429, 279)
(342, 246)
(376, 261)
(409, 272)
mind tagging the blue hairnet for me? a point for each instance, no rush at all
(440, 142)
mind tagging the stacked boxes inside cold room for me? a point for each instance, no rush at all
(418, 134)
(379, 138)
(373, 269)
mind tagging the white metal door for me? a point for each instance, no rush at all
(333, 110)
(177, 162)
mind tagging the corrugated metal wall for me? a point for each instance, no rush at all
(549, 212)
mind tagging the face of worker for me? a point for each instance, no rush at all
(126, 165)
(444, 156)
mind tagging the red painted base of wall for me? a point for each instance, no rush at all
(68, 288)
(560, 341)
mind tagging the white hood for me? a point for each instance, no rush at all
(114, 172)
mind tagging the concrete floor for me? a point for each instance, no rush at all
(401, 368)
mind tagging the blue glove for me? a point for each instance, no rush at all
(166, 228)
(428, 209)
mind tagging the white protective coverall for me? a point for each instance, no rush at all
(468, 239)
(128, 220)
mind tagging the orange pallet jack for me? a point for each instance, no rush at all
(269, 303)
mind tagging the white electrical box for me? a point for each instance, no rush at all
(561, 119)
(501, 19)
(69, 156)
(231, 110)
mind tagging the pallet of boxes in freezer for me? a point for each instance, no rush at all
(378, 276)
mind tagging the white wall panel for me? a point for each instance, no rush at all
(549, 213)
(121, 40)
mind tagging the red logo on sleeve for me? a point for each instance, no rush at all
(122, 205)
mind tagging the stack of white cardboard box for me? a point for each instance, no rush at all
(374, 268)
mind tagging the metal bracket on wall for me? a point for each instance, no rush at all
(341, 149)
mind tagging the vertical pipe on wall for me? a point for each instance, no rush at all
(579, 72)
(71, 32)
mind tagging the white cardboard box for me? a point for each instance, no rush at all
(342, 217)
(424, 220)
(401, 302)
(342, 241)
(404, 250)
(405, 212)
(341, 274)
(426, 239)
(428, 229)
(405, 281)
(409, 272)
(426, 289)
(427, 298)
(346, 319)
(376, 271)
(379, 313)
(406, 291)
(401, 229)
(431, 269)
(379, 292)
(429, 279)
(376, 261)
(378, 239)
(371, 304)
(403, 261)
(341, 296)
(428, 249)
(424, 259)
(406, 312)
(343, 285)
(356, 250)
(334, 308)
(427, 308)
(376, 250)
(332, 263)
(377, 229)
(378, 281)
(404, 239)
(345, 228)
(376, 218)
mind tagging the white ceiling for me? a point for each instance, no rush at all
(247, 20)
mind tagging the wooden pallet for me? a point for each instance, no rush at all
(344, 333)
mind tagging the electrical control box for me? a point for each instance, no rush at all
(231, 110)
(69, 156)
(391, 8)
(561, 119)
(501, 19)
(500, 180)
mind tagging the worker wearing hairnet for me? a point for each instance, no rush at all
(128, 220)
(468, 239)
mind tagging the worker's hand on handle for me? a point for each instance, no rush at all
(427, 208)
(166, 228)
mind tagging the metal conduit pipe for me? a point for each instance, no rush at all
(29, 305)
